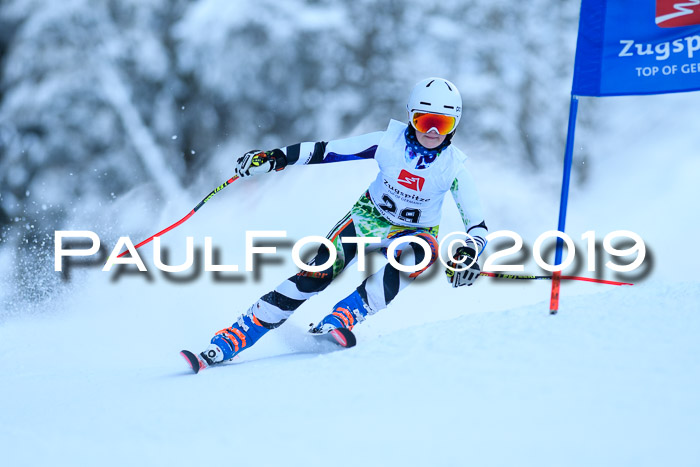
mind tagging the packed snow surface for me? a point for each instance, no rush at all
(611, 381)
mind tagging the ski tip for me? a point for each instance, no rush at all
(192, 360)
(344, 337)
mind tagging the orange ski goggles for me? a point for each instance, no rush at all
(424, 122)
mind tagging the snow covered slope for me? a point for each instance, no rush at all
(613, 381)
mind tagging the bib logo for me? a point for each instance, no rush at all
(677, 13)
(413, 182)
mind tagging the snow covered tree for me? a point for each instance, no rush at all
(98, 98)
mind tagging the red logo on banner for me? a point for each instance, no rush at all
(414, 182)
(677, 13)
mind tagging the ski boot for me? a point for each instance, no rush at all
(346, 314)
(337, 326)
(229, 342)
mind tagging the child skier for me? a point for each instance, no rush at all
(417, 167)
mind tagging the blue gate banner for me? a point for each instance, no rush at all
(637, 47)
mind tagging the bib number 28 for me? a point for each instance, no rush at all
(406, 214)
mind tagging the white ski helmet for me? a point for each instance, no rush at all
(437, 96)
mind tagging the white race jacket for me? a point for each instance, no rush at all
(405, 194)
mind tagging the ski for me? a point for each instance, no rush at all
(340, 336)
(194, 361)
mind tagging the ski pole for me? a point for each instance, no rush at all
(191, 213)
(571, 278)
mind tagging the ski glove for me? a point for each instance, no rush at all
(463, 275)
(258, 162)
